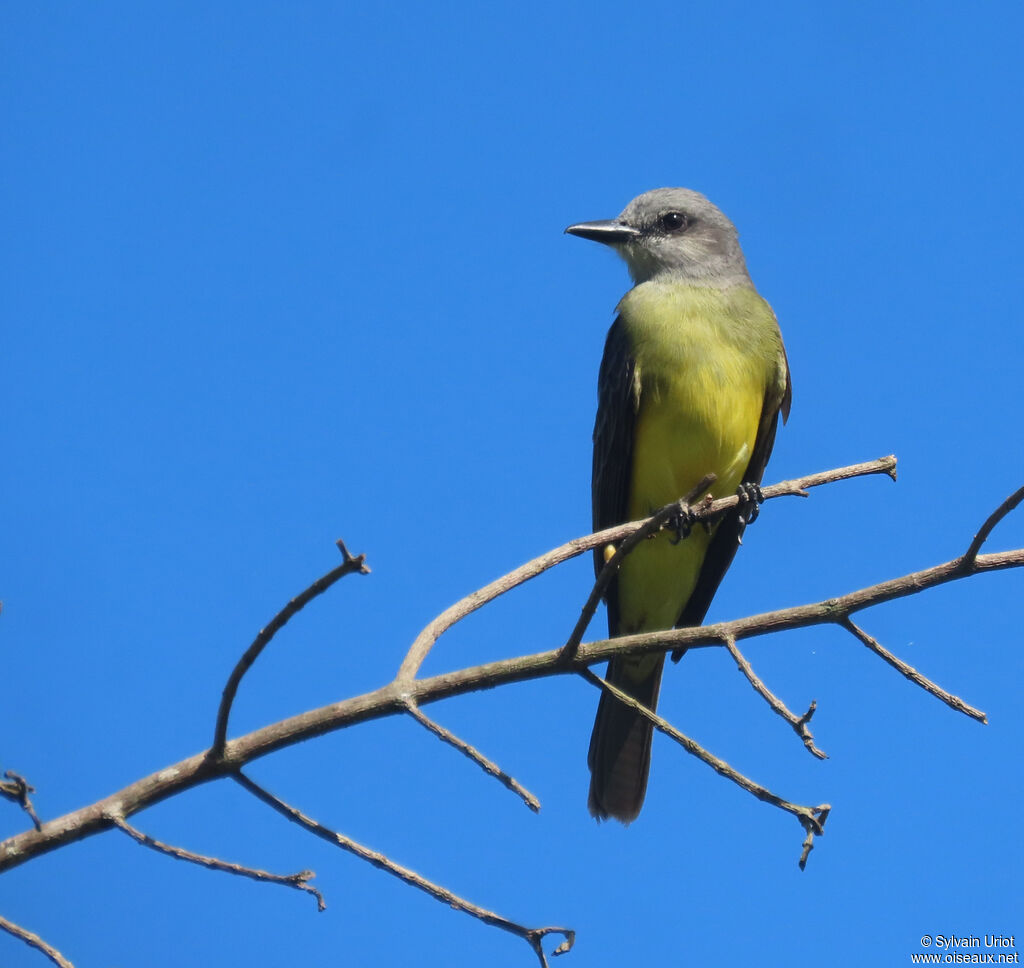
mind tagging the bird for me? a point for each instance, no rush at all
(693, 381)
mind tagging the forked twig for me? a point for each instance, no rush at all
(814, 827)
(799, 723)
(533, 936)
(300, 880)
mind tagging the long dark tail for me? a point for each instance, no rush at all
(620, 745)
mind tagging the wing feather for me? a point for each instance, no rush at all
(618, 400)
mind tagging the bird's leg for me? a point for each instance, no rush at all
(751, 500)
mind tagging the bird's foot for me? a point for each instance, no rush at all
(681, 523)
(751, 500)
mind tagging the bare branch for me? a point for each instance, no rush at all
(34, 941)
(654, 523)
(990, 522)
(799, 723)
(18, 790)
(810, 817)
(300, 880)
(424, 642)
(488, 766)
(406, 693)
(351, 563)
(954, 702)
(532, 936)
(829, 611)
(392, 699)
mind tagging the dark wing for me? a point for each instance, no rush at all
(727, 537)
(620, 745)
(618, 396)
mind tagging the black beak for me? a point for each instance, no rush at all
(608, 232)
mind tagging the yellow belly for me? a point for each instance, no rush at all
(700, 405)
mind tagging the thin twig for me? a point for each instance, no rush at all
(809, 817)
(799, 486)
(487, 765)
(532, 936)
(799, 723)
(18, 790)
(351, 563)
(954, 702)
(34, 941)
(990, 522)
(300, 880)
(654, 523)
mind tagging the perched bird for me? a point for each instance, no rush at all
(693, 380)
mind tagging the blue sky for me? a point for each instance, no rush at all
(276, 274)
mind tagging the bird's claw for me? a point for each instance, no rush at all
(751, 500)
(681, 523)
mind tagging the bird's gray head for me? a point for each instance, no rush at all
(672, 231)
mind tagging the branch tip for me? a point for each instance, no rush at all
(359, 560)
(18, 791)
(694, 748)
(535, 936)
(349, 565)
(799, 723)
(909, 672)
(299, 880)
(381, 861)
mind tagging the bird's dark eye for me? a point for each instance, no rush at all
(674, 221)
